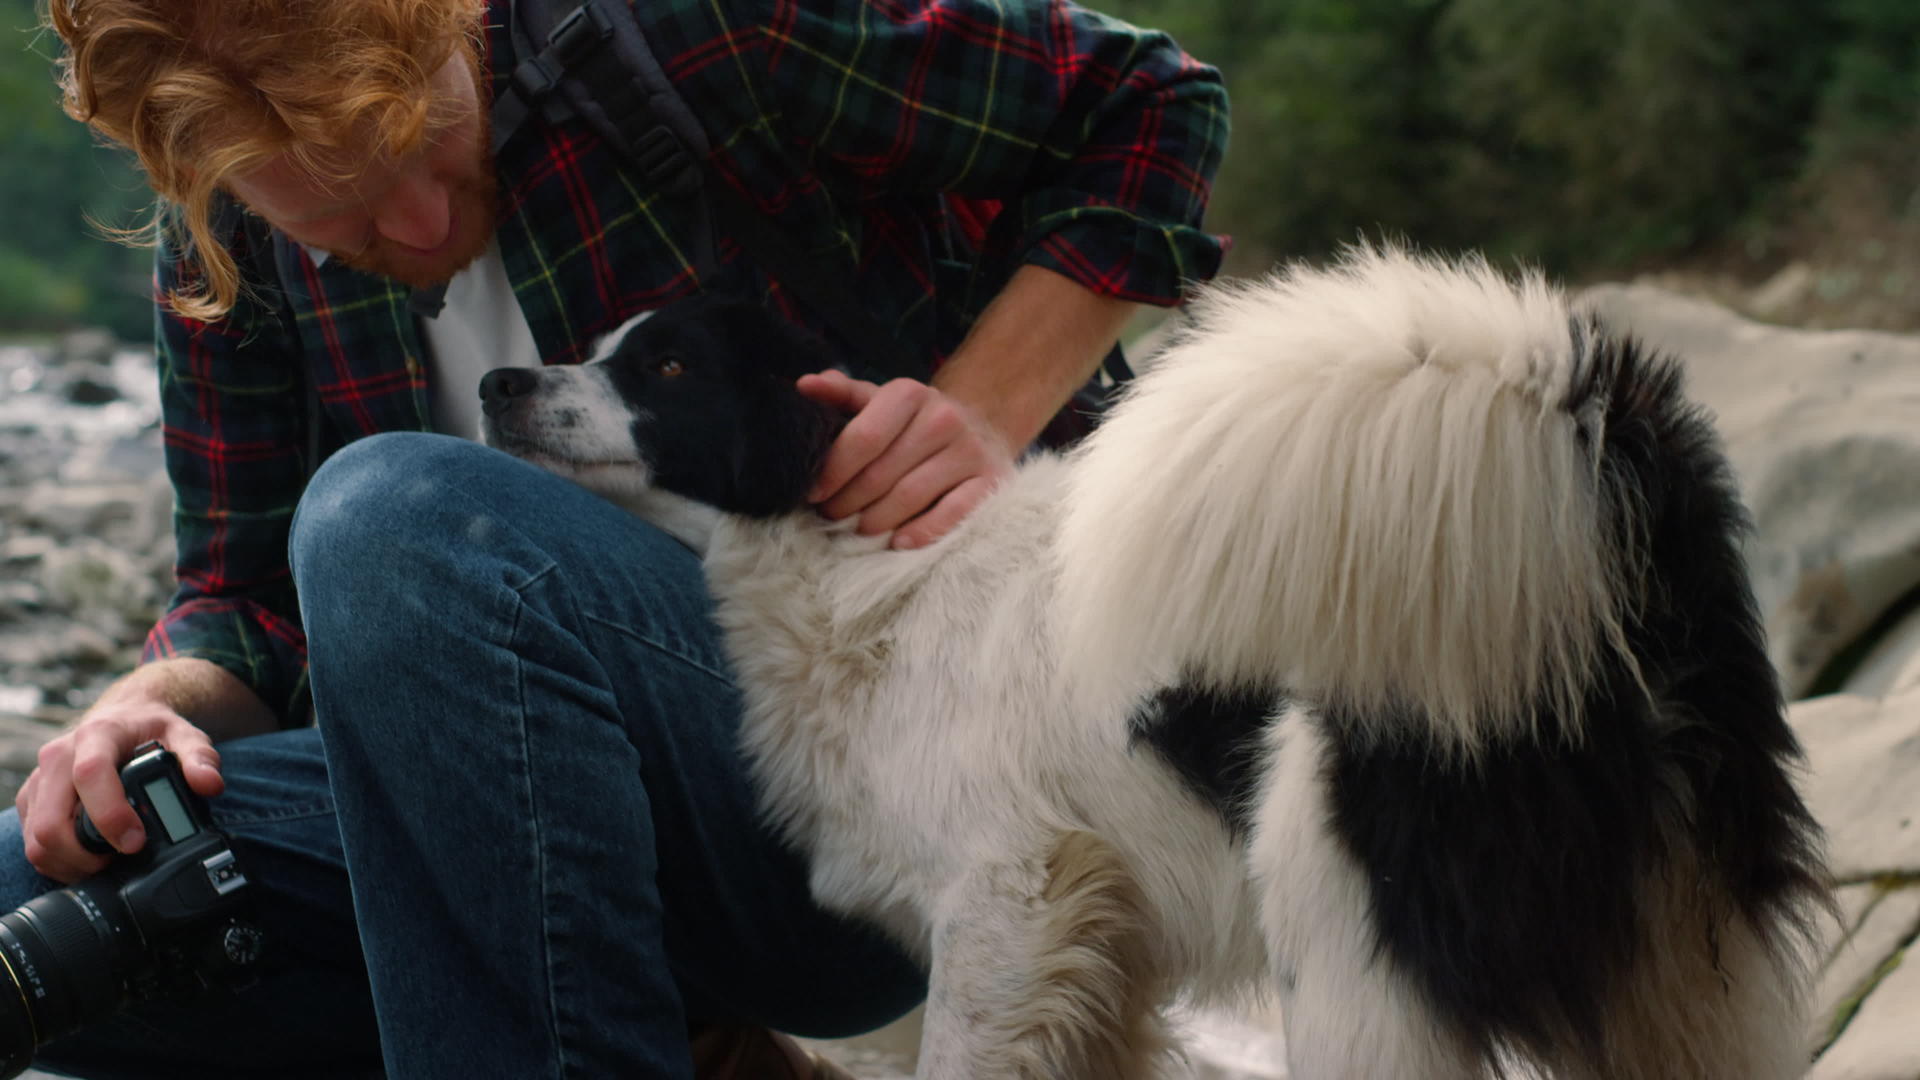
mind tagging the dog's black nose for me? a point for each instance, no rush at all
(500, 386)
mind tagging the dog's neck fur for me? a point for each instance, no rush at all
(687, 520)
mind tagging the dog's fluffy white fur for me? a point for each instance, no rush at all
(1242, 694)
(1361, 443)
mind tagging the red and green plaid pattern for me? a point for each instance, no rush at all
(923, 148)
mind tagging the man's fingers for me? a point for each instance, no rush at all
(199, 761)
(893, 484)
(911, 457)
(942, 516)
(886, 414)
(96, 779)
(838, 390)
(916, 492)
(51, 846)
(81, 770)
(201, 767)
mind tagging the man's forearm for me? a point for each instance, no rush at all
(209, 696)
(1040, 340)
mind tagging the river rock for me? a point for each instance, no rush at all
(101, 586)
(78, 349)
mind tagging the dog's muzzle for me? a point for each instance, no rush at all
(501, 387)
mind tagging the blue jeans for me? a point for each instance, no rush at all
(532, 782)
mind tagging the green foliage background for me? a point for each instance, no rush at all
(56, 271)
(1588, 137)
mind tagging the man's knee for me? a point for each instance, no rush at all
(394, 512)
(364, 497)
(370, 546)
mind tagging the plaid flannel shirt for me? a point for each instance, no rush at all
(923, 148)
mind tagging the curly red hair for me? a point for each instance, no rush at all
(202, 91)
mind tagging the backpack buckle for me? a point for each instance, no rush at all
(583, 30)
(663, 159)
(534, 78)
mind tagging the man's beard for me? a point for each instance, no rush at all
(472, 205)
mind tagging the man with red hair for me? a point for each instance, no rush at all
(471, 729)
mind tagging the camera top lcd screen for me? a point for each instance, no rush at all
(166, 803)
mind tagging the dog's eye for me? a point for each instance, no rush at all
(669, 366)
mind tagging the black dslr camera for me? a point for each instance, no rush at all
(159, 922)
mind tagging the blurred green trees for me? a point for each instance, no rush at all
(1875, 77)
(1580, 135)
(1589, 137)
(55, 270)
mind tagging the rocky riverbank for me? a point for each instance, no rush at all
(86, 548)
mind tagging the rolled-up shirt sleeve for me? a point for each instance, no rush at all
(232, 425)
(1099, 139)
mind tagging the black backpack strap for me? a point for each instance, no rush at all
(596, 58)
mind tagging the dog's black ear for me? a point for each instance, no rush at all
(785, 348)
(782, 445)
(787, 435)
(738, 435)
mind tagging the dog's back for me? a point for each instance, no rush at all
(1531, 807)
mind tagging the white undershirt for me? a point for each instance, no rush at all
(480, 328)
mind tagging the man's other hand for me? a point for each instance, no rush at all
(81, 768)
(913, 461)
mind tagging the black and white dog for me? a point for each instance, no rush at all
(1388, 649)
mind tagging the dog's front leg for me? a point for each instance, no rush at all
(1041, 970)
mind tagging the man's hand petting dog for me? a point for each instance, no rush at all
(913, 461)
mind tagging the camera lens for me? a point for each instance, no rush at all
(62, 954)
(17, 1040)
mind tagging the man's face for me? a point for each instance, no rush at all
(418, 218)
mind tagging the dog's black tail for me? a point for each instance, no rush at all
(1496, 554)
